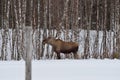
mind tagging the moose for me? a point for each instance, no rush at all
(60, 46)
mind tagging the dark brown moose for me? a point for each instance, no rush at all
(60, 46)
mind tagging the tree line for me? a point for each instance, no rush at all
(60, 18)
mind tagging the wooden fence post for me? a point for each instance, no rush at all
(28, 52)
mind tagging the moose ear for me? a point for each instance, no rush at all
(49, 37)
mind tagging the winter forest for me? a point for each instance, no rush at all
(94, 24)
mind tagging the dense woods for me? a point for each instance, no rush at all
(94, 24)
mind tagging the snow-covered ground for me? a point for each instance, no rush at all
(90, 69)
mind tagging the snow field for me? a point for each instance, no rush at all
(90, 69)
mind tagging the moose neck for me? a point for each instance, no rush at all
(52, 43)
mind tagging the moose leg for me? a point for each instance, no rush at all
(76, 56)
(68, 55)
(58, 53)
(58, 56)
